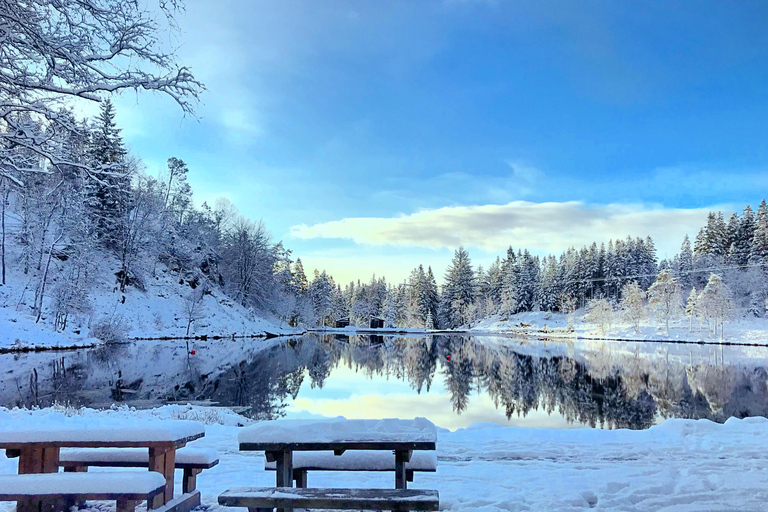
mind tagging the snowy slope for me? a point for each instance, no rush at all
(159, 311)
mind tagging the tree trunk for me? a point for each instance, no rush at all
(2, 244)
(44, 279)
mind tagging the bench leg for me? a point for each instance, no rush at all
(75, 469)
(300, 477)
(189, 482)
(124, 505)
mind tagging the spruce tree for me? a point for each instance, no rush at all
(109, 194)
(744, 235)
(459, 289)
(685, 264)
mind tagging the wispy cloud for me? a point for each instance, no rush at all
(542, 227)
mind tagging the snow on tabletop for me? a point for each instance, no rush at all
(62, 429)
(137, 455)
(82, 483)
(339, 430)
(360, 460)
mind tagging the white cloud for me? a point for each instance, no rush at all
(541, 227)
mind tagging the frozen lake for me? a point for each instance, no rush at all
(452, 380)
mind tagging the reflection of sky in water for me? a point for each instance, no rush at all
(357, 396)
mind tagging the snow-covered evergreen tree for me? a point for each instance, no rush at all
(458, 291)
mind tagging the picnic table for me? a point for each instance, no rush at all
(279, 439)
(38, 448)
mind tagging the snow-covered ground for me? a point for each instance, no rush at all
(680, 465)
(157, 312)
(556, 325)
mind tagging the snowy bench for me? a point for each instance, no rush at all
(191, 460)
(262, 499)
(127, 488)
(359, 460)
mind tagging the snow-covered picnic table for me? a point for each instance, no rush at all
(38, 447)
(279, 439)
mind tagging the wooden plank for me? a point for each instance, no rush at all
(50, 459)
(128, 464)
(371, 445)
(183, 503)
(340, 499)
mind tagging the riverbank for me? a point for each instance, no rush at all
(681, 465)
(740, 331)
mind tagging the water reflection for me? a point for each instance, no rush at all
(600, 386)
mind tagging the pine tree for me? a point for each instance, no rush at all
(109, 195)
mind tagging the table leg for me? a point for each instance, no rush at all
(162, 460)
(39, 458)
(284, 463)
(401, 458)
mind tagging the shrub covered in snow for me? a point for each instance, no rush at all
(110, 330)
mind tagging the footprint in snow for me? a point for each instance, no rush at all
(590, 497)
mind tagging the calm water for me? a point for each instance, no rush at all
(453, 380)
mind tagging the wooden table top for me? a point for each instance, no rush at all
(339, 434)
(116, 435)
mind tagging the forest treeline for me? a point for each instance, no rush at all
(78, 218)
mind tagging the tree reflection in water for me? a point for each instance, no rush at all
(596, 388)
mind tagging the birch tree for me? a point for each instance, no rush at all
(715, 303)
(664, 297)
(632, 304)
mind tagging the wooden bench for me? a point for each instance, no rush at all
(47, 491)
(191, 460)
(359, 460)
(262, 499)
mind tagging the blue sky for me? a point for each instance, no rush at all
(373, 136)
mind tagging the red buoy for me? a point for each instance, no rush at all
(448, 358)
(193, 352)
